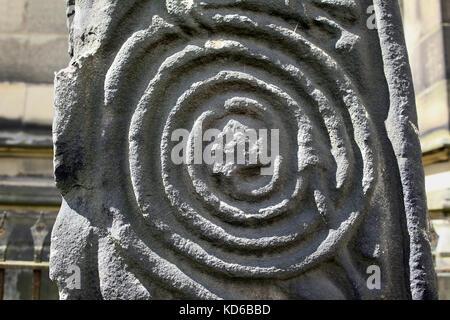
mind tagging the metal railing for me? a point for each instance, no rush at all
(39, 232)
(37, 268)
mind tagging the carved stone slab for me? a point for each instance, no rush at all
(343, 214)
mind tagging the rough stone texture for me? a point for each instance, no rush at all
(348, 193)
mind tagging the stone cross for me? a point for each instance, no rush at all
(251, 149)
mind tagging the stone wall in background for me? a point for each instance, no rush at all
(33, 40)
(33, 46)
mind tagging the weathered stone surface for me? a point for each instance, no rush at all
(347, 193)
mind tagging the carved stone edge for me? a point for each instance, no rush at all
(403, 133)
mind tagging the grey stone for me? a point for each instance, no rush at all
(347, 197)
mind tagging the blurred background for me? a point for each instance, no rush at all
(33, 46)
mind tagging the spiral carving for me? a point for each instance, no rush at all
(146, 215)
(222, 64)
